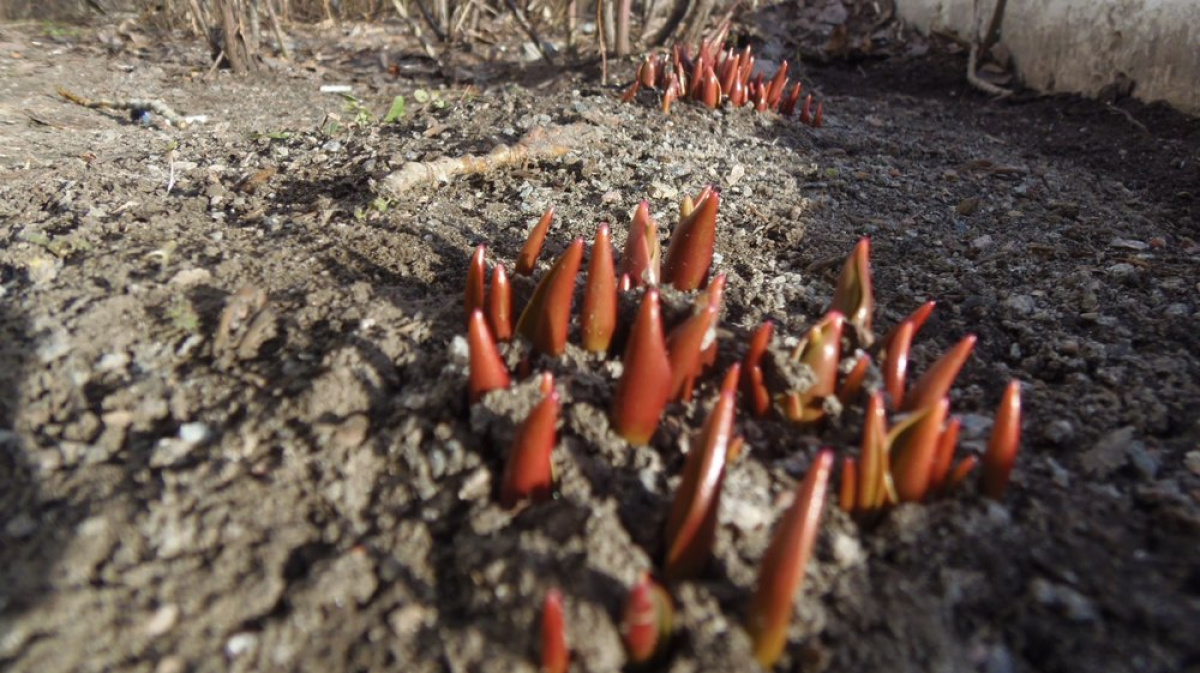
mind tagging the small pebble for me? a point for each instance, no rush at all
(240, 643)
(1060, 431)
(194, 433)
(21, 526)
(163, 620)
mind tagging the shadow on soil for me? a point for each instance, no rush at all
(34, 528)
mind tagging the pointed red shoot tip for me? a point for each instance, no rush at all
(944, 457)
(499, 308)
(645, 384)
(648, 71)
(624, 284)
(1005, 442)
(546, 385)
(599, 318)
(757, 396)
(918, 318)
(641, 258)
(895, 362)
(556, 656)
(806, 111)
(730, 383)
(487, 368)
(782, 572)
(848, 494)
(712, 89)
(648, 621)
(547, 316)
(935, 383)
(854, 295)
(961, 472)
(687, 342)
(527, 259)
(777, 85)
(671, 94)
(692, 525)
(912, 446)
(689, 256)
(873, 474)
(819, 118)
(630, 93)
(529, 473)
(476, 274)
(737, 93)
(852, 385)
(821, 351)
(788, 107)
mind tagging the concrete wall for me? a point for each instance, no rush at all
(1084, 46)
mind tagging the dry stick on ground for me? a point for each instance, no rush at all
(537, 145)
(989, 40)
(157, 107)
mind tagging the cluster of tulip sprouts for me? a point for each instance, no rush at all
(908, 437)
(714, 76)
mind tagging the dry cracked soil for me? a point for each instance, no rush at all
(306, 488)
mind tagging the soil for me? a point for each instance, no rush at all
(306, 488)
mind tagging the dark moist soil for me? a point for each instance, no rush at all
(306, 489)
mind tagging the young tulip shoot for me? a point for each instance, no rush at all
(821, 351)
(895, 362)
(854, 296)
(527, 259)
(487, 367)
(548, 314)
(689, 256)
(645, 384)
(529, 473)
(782, 572)
(758, 399)
(875, 488)
(1002, 449)
(690, 339)
(912, 447)
(944, 457)
(599, 319)
(476, 275)
(853, 383)
(935, 383)
(648, 621)
(917, 318)
(692, 525)
(848, 494)
(641, 258)
(556, 657)
(499, 306)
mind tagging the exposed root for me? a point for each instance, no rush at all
(982, 85)
(989, 40)
(539, 144)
